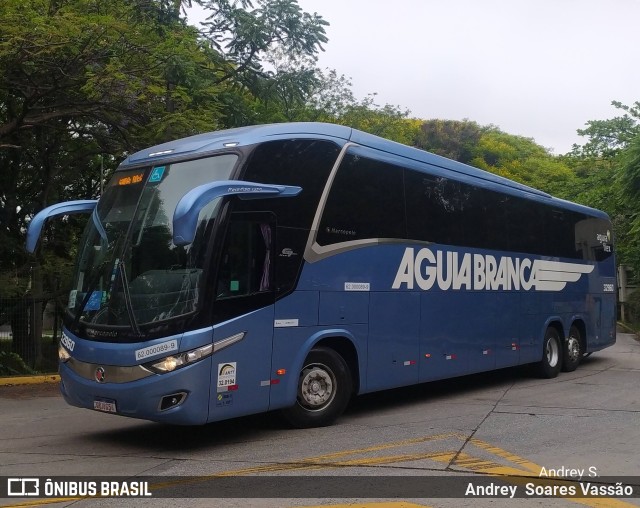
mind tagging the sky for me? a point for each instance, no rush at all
(534, 68)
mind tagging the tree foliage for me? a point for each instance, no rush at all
(523, 160)
(487, 147)
(604, 166)
(606, 138)
(84, 82)
(332, 101)
(453, 139)
(628, 185)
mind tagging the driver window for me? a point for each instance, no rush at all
(246, 266)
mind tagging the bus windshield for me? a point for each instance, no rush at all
(129, 272)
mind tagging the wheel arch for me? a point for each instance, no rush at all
(347, 349)
(553, 322)
(580, 324)
(342, 342)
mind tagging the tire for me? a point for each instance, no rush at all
(549, 366)
(324, 390)
(573, 350)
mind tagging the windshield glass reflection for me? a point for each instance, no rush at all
(129, 273)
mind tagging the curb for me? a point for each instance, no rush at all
(29, 380)
(628, 329)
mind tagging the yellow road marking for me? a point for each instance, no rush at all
(511, 474)
(511, 457)
(386, 446)
(42, 502)
(349, 458)
(395, 504)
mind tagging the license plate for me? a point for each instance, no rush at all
(108, 406)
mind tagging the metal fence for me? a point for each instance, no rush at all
(31, 327)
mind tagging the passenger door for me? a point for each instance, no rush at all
(244, 311)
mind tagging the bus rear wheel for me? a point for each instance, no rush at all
(549, 366)
(573, 351)
(324, 390)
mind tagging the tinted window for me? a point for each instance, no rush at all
(594, 239)
(245, 271)
(435, 208)
(366, 201)
(246, 263)
(305, 163)
(449, 212)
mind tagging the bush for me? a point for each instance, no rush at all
(632, 307)
(12, 365)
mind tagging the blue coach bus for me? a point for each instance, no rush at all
(292, 266)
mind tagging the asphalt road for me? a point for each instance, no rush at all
(415, 440)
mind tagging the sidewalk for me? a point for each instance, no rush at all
(29, 380)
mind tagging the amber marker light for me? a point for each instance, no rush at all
(281, 372)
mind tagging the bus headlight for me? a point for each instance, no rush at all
(173, 362)
(63, 354)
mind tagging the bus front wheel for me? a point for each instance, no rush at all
(549, 366)
(572, 353)
(324, 390)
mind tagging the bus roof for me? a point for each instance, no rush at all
(243, 136)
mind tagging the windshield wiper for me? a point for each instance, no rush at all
(127, 298)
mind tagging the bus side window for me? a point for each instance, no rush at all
(246, 266)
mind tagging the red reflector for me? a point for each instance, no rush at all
(514, 346)
(275, 381)
(232, 388)
(427, 355)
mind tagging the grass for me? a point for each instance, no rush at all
(11, 364)
(630, 327)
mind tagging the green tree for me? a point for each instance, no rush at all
(85, 82)
(606, 138)
(629, 184)
(605, 177)
(453, 139)
(487, 147)
(521, 159)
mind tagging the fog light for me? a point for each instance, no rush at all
(173, 400)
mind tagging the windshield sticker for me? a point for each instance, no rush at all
(73, 294)
(94, 301)
(157, 174)
(226, 376)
